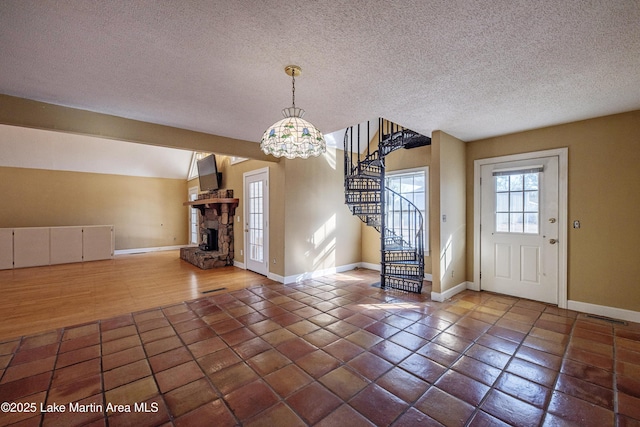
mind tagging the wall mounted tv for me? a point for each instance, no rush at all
(208, 174)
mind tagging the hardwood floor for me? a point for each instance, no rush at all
(44, 298)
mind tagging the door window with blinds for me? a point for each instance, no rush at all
(517, 200)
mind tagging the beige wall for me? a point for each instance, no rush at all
(448, 200)
(604, 195)
(310, 226)
(146, 212)
(320, 231)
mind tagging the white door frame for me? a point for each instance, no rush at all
(246, 216)
(563, 172)
(193, 191)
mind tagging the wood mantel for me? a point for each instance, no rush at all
(203, 203)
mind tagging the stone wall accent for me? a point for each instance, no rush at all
(216, 194)
(222, 215)
(217, 216)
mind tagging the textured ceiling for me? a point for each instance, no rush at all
(473, 69)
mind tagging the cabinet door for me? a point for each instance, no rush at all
(97, 242)
(66, 245)
(6, 248)
(30, 247)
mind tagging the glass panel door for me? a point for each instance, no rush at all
(256, 221)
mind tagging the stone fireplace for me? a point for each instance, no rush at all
(215, 228)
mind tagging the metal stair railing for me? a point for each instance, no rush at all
(402, 236)
(405, 229)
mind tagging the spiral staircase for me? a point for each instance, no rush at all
(402, 234)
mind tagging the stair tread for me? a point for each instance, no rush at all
(413, 278)
(405, 262)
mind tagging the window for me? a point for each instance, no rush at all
(412, 184)
(256, 221)
(235, 159)
(517, 194)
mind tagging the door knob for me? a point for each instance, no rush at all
(553, 241)
(552, 220)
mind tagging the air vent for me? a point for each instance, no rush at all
(213, 290)
(607, 319)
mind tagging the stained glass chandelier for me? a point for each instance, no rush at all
(293, 136)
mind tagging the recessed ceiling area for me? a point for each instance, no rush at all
(471, 69)
(43, 149)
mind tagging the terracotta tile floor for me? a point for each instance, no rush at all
(333, 351)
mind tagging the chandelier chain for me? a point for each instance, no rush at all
(293, 90)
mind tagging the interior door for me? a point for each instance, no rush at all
(256, 218)
(519, 228)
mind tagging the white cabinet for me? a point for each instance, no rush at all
(30, 247)
(35, 246)
(66, 245)
(6, 248)
(97, 242)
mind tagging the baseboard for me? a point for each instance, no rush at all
(319, 273)
(275, 277)
(144, 250)
(270, 276)
(324, 272)
(441, 297)
(370, 266)
(601, 310)
(473, 287)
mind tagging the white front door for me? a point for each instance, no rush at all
(256, 220)
(520, 228)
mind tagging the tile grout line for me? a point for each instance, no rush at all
(220, 394)
(53, 370)
(562, 360)
(503, 370)
(103, 391)
(147, 357)
(193, 357)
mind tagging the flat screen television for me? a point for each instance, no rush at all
(208, 173)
